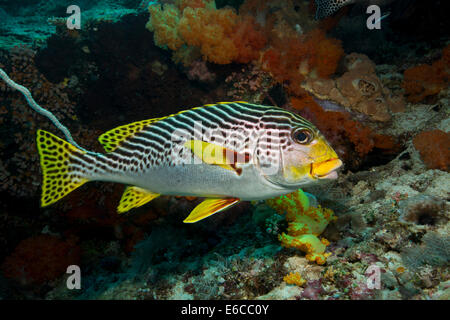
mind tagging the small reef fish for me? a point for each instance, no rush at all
(326, 8)
(226, 152)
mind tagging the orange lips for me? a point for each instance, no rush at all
(322, 169)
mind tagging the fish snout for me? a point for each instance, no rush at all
(325, 169)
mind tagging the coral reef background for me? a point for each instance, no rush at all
(381, 98)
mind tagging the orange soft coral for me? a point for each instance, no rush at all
(220, 35)
(39, 259)
(321, 53)
(329, 52)
(223, 37)
(249, 39)
(210, 30)
(433, 147)
(292, 60)
(164, 23)
(336, 125)
(183, 4)
(284, 63)
(426, 80)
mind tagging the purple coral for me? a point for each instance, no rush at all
(312, 290)
(199, 71)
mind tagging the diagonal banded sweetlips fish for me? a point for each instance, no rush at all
(327, 8)
(226, 152)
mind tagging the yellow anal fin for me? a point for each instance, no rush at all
(111, 139)
(217, 155)
(208, 208)
(134, 197)
(60, 176)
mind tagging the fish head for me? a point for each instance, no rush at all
(302, 156)
(312, 158)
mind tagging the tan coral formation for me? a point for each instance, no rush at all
(359, 89)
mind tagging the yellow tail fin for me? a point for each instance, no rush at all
(60, 176)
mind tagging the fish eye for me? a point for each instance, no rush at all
(302, 136)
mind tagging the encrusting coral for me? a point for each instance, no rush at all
(433, 147)
(305, 223)
(41, 258)
(359, 90)
(427, 80)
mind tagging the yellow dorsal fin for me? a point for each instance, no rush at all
(217, 155)
(209, 207)
(111, 139)
(134, 197)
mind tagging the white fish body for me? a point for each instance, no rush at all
(226, 152)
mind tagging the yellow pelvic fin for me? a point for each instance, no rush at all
(217, 155)
(111, 139)
(60, 177)
(134, 197)
(209, 207)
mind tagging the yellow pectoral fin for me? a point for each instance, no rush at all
(134, 197)
(208, 208)
(215, 154)
(208, 152)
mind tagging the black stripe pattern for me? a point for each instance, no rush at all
(239, 126)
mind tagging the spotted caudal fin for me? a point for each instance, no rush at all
(61, 174)
(326, 8)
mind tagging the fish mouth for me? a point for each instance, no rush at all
(325, 169)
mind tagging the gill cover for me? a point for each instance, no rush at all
(299, 166)
(276, 167)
